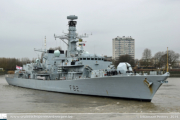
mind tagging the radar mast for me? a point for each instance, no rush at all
(71, 36)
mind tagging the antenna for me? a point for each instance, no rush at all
(55, 36)
(60, 45)
(167, 59)
(45, 44)
(42, 45)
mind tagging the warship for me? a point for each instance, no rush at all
(76, 71)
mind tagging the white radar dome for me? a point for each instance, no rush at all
(56, 53)
(37, 61)
(123, 67)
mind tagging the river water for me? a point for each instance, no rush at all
(22, 100)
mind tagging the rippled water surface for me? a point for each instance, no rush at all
(22, 100)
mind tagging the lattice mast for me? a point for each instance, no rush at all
(72, 36)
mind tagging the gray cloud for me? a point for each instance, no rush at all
(24, 23)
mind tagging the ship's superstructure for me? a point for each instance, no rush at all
(79, 72)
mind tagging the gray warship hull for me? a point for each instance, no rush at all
(130, 87)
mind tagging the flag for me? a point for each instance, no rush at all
(18, 67)
(80, 44)
(80, 40)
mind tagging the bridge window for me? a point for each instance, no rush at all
(95, 58)
(84, 58)
(80, 58)
(88, 58)
(92, 58)
(99, 58)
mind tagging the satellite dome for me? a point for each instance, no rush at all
(37, 61)
(123, 67)
(56, 53)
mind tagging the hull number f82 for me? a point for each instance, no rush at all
(74, 88)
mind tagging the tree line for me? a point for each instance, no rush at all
(159, 60)
(10, 63)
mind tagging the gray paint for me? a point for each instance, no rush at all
(83, 73)
(113, 86)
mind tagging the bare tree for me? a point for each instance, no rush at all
(9, 63)
(172, 58)
(136, 63)
(158, 61)
(33, 60)
(161, 58)
(146, 58)
(124, 58)
(55, 48)
(146, 54)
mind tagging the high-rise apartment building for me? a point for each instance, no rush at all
(122, 46)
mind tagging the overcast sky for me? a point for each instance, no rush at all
(154, 24)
